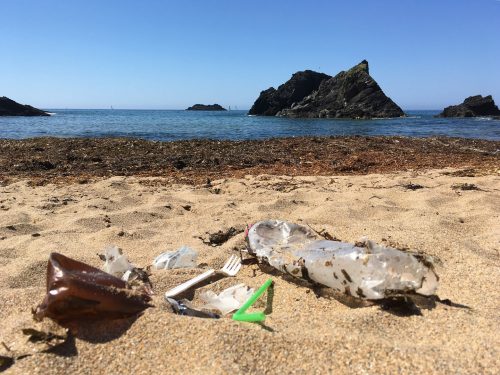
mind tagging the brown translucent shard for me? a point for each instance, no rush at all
(77, 291)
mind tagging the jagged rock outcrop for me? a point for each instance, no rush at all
(352, 94)
(302, 84)
(471, 107)
(205, 107)
(9, 107)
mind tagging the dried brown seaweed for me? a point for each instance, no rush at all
(88, 159)
(221, 237)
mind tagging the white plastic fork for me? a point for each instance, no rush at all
(230, 268)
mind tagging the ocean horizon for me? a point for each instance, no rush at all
(172, 125)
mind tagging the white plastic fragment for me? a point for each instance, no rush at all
(228, 300)
(116, 263)
(127, 276)
(184, 257)
(370, 271)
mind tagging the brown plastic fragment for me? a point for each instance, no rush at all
(77, 291)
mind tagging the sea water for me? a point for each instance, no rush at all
(171, 125)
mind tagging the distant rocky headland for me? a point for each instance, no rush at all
(473, 106)
(353, 94)
(206, 107)
(9, 107)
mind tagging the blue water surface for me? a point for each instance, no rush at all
(169, 125)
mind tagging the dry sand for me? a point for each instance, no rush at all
(304, 333)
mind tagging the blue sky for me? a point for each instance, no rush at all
(425, 54)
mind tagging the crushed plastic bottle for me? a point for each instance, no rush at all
(77, 291)
(370, 271)
(228, 300)
(184, 257)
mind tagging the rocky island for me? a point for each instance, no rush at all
(353, 94)
(302, 84)
(206, 107)
(473, 106)
(9, 107)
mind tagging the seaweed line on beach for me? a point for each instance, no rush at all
(193, 161)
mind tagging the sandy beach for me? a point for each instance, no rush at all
(450, 212)
(254, 188)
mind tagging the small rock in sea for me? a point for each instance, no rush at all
(205, 107)
(473, 106)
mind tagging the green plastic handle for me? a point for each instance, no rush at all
(241, 314)
(250, 317)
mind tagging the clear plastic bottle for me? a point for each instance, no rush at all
(370, 271)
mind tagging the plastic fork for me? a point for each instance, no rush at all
(230, 268)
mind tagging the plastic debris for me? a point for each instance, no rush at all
(129, 276)
(138, 279)
(230, 268)
(228, 300)
(183, 308)
(77, 291)
(367, 271)
(137, 274)
(184, 257)
(242, 316)
(116, 263)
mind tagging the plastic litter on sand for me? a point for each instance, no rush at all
(369, 271)
(228, 300)
(184, 257)
(116, 263)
